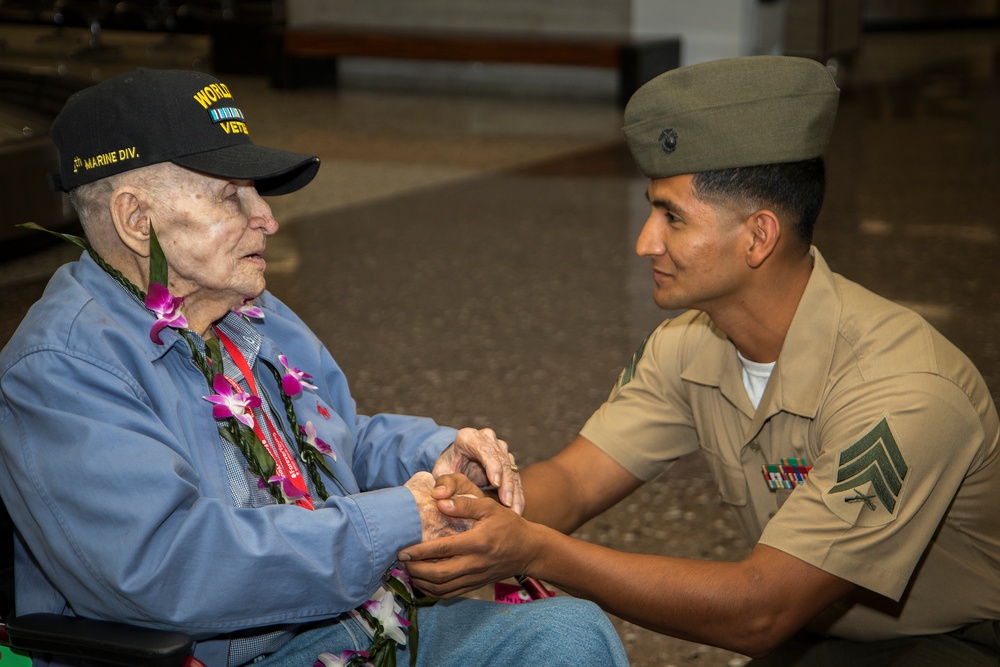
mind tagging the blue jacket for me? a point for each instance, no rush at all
(113, 473)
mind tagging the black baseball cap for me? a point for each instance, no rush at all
(148, 116)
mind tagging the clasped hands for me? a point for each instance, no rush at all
(468, 539)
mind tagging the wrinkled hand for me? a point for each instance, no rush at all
(497, 546)
(483, 458)
(433, 523)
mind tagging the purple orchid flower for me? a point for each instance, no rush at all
(227, 402)
(331, 660)
(160, 301)
(293, 380)
(249, 310)
(288, 489)
(309, 430)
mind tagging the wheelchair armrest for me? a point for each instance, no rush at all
(104, 641)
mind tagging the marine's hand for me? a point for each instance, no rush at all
(433, 523)
(500, 544)
(455, 485)
(483, 458)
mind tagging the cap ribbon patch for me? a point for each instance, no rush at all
(225, 113)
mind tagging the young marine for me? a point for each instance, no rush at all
(859, 449)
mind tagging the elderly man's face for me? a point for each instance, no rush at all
(213, 232)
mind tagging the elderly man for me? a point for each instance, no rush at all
(180, 451)
(857, 446)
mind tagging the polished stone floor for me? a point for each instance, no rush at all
(469, 257)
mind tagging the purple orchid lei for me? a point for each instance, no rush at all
(389, 628)
(230, 408)
(231, 405)
(233, 408)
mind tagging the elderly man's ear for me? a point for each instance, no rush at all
(131, 216)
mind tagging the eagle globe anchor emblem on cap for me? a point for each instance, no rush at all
(668, 140)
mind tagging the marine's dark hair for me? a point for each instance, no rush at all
(794, 189)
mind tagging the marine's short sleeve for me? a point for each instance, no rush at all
(894, 452)
(646, 422)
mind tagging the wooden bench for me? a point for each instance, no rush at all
(307, 56)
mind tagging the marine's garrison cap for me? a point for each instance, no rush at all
(734, 112)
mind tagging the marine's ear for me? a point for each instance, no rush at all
(765, 230)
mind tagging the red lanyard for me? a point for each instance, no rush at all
(284, 460)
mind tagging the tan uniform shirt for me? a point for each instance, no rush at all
(903, 498)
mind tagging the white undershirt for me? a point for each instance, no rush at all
(755, 377)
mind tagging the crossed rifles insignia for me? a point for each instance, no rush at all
(870, 476)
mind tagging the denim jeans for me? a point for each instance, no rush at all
(470, 633)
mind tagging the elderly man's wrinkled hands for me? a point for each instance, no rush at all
(427, 493)
(483, 458)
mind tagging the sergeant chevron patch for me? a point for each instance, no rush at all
(629, 371)
(870, 477)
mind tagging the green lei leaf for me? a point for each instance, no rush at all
(82, 242)
(203, 364)
(399, 588)
(157, 261)
(214, 349)
(414, 633)
(76, 240)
